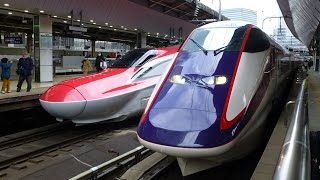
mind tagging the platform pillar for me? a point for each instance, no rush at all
(316, 61)
(141, 39)
(93, 48)
(42, 29)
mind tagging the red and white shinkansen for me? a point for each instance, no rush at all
(114, 94)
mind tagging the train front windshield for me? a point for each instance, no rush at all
(211, 39)
(129, 58)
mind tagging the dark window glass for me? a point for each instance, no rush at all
(129, 58)
(146, 60)
(257, 41)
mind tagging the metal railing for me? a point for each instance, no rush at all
(294, 161)
(94, 172)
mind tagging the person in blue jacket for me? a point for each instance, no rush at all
(5, 75)
(24, 70)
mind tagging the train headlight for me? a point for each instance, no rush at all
(215, 80)
(178, 79)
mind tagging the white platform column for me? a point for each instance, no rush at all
(42, 29)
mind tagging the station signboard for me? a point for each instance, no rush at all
(13, 39)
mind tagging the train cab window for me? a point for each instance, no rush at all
(209, 39)
(146, 59)
(129, 59)
(257, 41)
(153, 70)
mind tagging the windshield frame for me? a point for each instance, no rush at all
(130, 59)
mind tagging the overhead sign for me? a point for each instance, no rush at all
(13, 39)
(75, 28)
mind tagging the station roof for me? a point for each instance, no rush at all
(105, 19)
(302, 18)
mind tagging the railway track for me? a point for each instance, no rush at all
(32, 135)
(16, 149)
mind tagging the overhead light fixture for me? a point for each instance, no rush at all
(55, 16)
(106, 23)
(26, 11)
(125, 28)
(99, 27)
(122, 27)
(7, 5)
(69, 16)
(41, 11)
(91, 20)
(78, 20)
(82, 24)
(65, 21)
(94, 23)
(10, 13)
(111, 26)
(114, 29)
(135, 29)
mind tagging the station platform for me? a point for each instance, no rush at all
(37, 88)
(269, 159)
(22, 100)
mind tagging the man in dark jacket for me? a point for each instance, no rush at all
(24, 69)
(99, 60)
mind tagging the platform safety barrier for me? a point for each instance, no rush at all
(294, 160)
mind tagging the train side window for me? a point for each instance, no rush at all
(257, 41)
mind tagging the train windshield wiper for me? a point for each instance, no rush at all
(203, 49)
(219, 50)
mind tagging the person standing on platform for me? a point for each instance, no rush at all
(86, 66)
(24, 70)
(5, 75)
(99, 61)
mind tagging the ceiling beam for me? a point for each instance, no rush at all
(155, 3)
(175, 7)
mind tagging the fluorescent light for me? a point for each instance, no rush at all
(55, 16)
(135, 29)
(91, 20)
(69, 16)
(78, 20)
(7, 5)
(99, 27)
(26, 11)
(10, 13)
(111, 26)
(94, 23)
(41, 11)
(65, 21)
(106, 23)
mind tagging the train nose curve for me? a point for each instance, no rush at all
(63, 101)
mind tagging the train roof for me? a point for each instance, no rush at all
(235, 24)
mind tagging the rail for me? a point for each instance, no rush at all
(294, 161)
(94, 172)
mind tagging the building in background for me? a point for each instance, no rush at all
(241, 14)
(283, 36)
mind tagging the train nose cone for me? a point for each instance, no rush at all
(63, 101)
(185, 116)
(179, 127)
